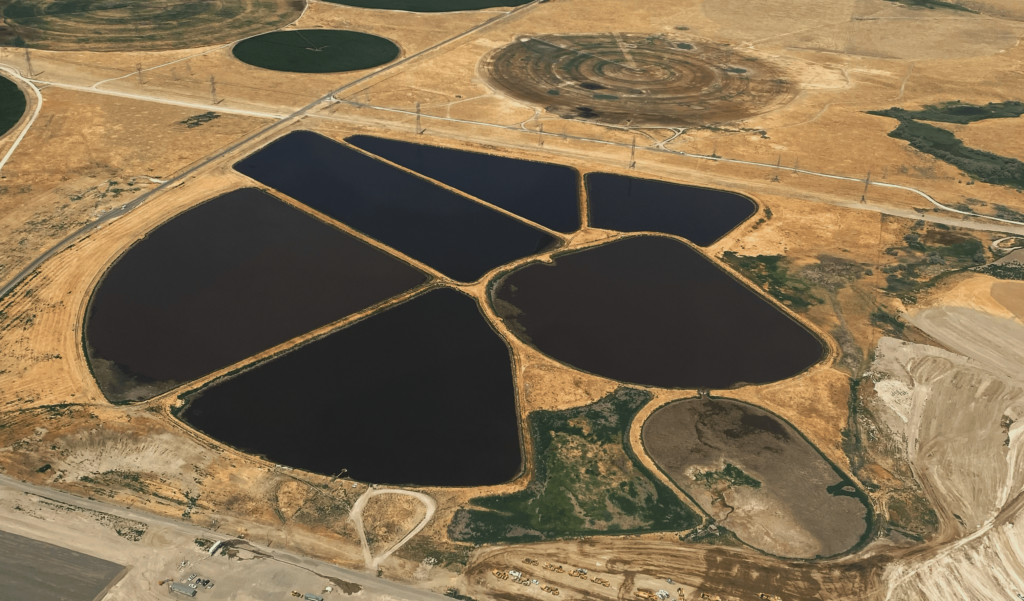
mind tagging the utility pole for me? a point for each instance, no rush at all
(418, 130)
(778, 164)
(632, 154)
(138, 69)
(213, 90)
(28, 61)
(540, 135)
(188, 67)
(867, 182)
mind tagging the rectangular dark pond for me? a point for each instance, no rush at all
(541, 192)
(459, 237)
(651, 310)
(32, 569)
(419, 394)
(629, 204)
(225, 280)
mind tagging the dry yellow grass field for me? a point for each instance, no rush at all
(841, 206)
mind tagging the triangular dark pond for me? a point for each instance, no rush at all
(419, 394)
(650, 310)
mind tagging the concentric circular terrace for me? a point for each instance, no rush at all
(639, 80)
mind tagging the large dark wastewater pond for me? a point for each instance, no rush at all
(650, 310)
(541, 192)
(225, 280)
(757, 476)
(459, 237)
(419, 394)
(629, 204)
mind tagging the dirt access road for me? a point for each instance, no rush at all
(154, 556)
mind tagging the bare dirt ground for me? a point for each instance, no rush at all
(818, 247)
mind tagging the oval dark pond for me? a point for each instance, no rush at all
(316, 51)
(419, 394)
(651, 310)
(541, 192)
(225, 280)
(430, 6)
(757, 476)
(629, 204)
(459, 237)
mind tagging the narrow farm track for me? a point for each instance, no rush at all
(356, 515)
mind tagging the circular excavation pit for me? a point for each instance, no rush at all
(637, 80)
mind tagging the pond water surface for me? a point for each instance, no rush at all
(630, 204)
(457, 236)
(651, 310)
(541, 192)
(419, 394)
(227, 279)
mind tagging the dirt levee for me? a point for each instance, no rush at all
(638, 80)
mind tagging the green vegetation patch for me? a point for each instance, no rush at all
(430, 6)
(1007, 271)
(730, 473)
(771, 273)
(316, 51)
(12, 105)
(928, 256)
(201, 119)
(944, 145)
(586, 481)
(933, 4)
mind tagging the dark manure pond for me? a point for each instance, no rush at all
(316, 51)
(629, 204)
(651, 310)
(757, 476)
(544, 193)
(225, 280)
(457, 236)
(12, 104)
(419, 394)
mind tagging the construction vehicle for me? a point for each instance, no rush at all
(550, 589)
(296, 594)
(500, 575)
(600, 581)
(710, 597)
(560, 570)
(663, 595)
(579, 573)
(646, 594)
(531, 562)
(768, 597)
(515, 574)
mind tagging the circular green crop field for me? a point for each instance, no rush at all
(12, 105)
(316, 51)
(430, 6)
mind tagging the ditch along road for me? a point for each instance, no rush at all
(257, 135)
(370, 582)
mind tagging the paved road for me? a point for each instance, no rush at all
(369, 582)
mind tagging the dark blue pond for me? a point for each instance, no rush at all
(419, 394)
(651, 310)
(230, 278)
(449, 232)
(541, 192)
(629, 204)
